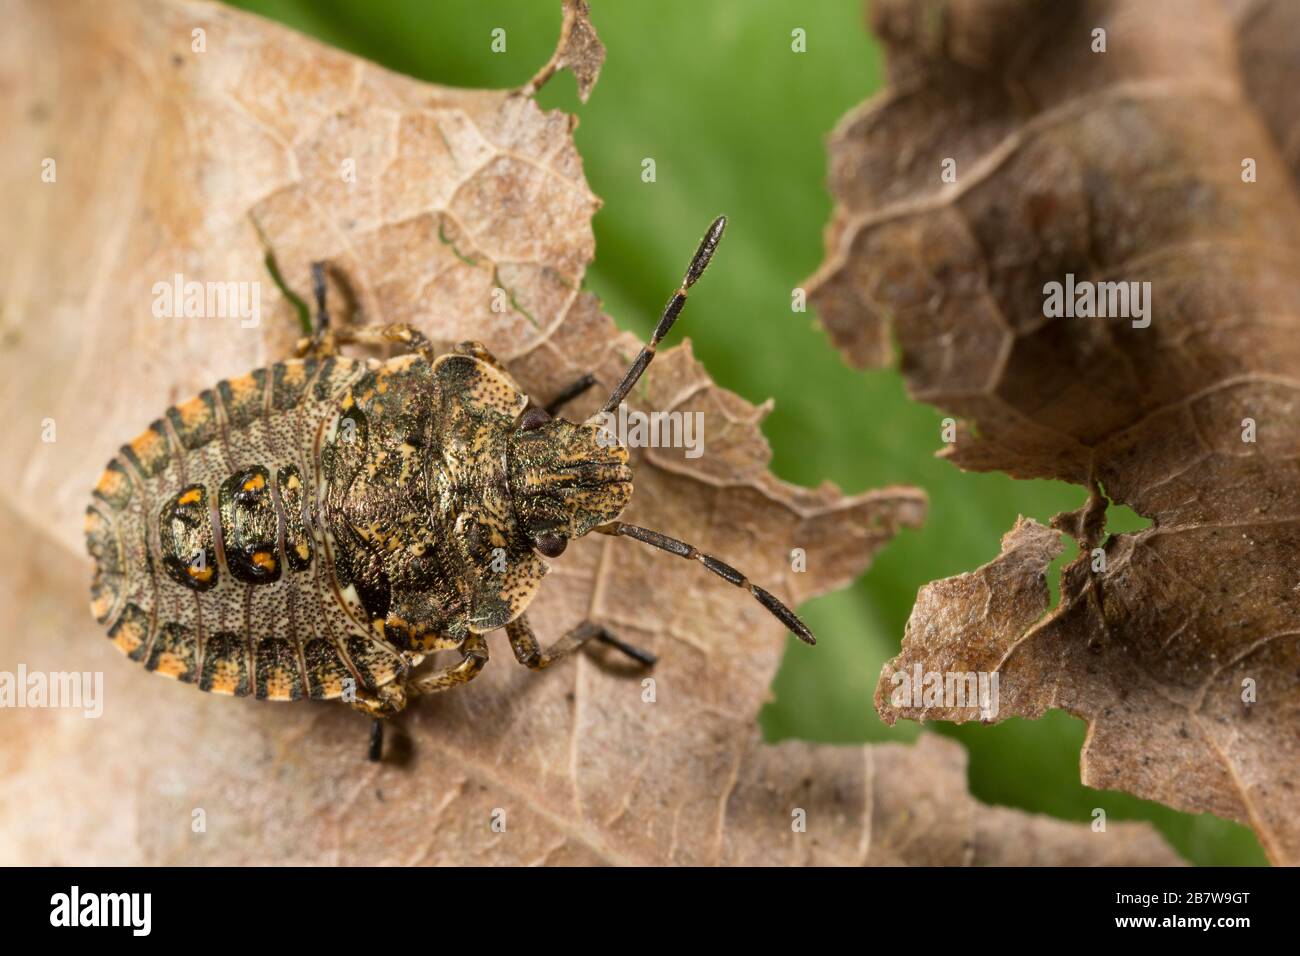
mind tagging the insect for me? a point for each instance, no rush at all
(319, 527)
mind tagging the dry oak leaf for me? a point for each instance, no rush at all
(1182, 651)
(171, 161)
(1270, 57)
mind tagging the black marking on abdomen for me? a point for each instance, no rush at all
(150, 451)
(105, 549)
(289, 383)
(114, 487)
(326, 669)
(245, 535)
(244, 398)
(189, 553)
(174, 653)
(131, 632)
(297, 540)
(376, 665)
(195, 421)
(278, 676)
(225, 665)
(250, 527)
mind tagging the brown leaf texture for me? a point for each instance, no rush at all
(173, 161)
(1117, 166)
(1267, 51)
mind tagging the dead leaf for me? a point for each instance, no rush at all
(1125, 165)
(579, 51)
(199, 163)
(1266, 45)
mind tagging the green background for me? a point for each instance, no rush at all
(737, 123)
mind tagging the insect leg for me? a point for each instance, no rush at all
(398, 333)
(569, 393)
(318, 287)
(322, 343)
(474, 654)
(380, 705)
(529, 653)
(385, 702)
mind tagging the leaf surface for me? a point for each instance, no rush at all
(1182, 653)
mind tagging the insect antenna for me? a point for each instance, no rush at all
(318, 288)
(696, 269)
(720, 568)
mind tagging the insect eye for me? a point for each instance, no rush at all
(551, 545)
(534, 417)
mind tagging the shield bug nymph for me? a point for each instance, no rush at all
(319, 527)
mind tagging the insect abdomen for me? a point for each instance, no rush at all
(208, 563)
